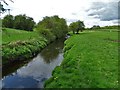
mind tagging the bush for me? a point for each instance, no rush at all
(22, 50)
(47, 34)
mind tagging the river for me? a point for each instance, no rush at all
(33, 73)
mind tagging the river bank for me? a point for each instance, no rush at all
(21, 50)
(20, 45)
(32, 73)
(90, 61)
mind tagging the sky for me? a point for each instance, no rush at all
(92, 12)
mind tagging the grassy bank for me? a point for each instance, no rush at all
(12, 35)
(90, 61)
(20, 45)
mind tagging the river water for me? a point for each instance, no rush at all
(33, 74)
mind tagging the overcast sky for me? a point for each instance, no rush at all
(92, 12)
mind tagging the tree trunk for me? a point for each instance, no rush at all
(73, 32)
(81, 30)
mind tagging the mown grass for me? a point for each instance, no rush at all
(12, 35)
(90, 61)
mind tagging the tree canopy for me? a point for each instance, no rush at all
(76, 26)
(8, 21)
(57, 26)
(18, 22)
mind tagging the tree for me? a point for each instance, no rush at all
(24, 22)
(19, 22)
(73, 27)
(96, 27)
(76, 26)
(54, 24)
(29, 24)
(8, 21)
(81, 26)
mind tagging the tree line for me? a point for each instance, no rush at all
(50, 27)
(22, 22)
(96, 27)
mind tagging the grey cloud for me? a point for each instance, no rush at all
(97, 5)
(116, 21)
(104, 11)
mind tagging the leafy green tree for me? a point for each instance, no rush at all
(24, 22)
(8, 21)
(55, 25)
(81, 26)
(29, 24)
(19, 22)
(73, 27)
(76, 26)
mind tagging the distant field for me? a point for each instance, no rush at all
(9, 35)
(90, 61)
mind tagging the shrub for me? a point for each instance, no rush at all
(47, 34)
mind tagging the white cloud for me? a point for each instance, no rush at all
(71, 10)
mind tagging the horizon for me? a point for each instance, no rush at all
(92, 12)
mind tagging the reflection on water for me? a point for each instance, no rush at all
(52, 51)
(33, 74)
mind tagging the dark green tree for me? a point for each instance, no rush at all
(76, 26)
(24, 22)
(19, 22)
(8, 21)
(81, 26)
(96, 27)
(73, 27)
(29, 24)
(54, 24)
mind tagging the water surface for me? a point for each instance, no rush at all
(33, 74)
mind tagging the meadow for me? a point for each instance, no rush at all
(90, 61)
(12, 35)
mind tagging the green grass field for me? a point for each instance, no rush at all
(90, 61)
(10, 35)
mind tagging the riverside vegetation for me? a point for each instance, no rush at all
(90, 61)
(22, 45)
